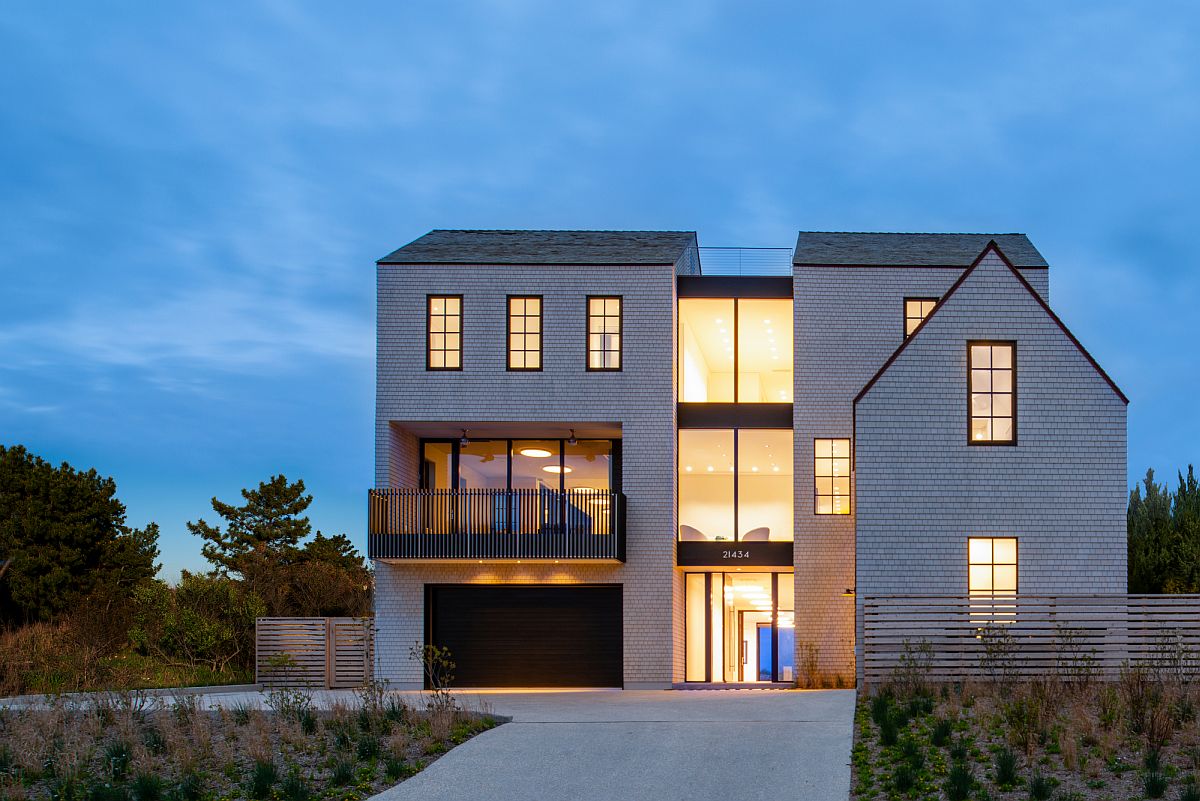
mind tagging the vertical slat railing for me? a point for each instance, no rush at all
(495, 524)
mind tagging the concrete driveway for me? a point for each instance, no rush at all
(613, 746)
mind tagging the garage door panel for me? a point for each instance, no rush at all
(529, 636)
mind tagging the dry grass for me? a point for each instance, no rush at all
(1097, 740)
(98, 747)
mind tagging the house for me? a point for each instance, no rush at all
(614, 458)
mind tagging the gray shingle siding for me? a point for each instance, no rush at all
(922, 490)
(640, 398)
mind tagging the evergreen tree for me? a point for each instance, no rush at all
(65, 534)
(268, 526)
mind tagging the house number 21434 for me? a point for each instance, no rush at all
(735, 554)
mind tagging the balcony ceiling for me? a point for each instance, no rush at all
(514, 430)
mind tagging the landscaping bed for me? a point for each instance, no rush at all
(1062, 738)
(133, 747)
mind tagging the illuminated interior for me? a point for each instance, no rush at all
(753, 466)
(499, 464)
(445, 333)
(992, 566)
(916, 310)
(735, 624)
(831, 472)
(991, 379)
(722, 337)
(604, 333)
(525, 333)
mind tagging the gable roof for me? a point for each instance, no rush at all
(830, 248)
(544, 247)
(990, 247)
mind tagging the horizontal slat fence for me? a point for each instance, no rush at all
(326, 652)
(951, 638)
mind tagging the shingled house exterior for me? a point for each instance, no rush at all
(599, 464)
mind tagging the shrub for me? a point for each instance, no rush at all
(147, 787)
(368, 747)
(341, 772)
(263, 777)
(912, 754)
(888, 731)
(103, 791)
(958, 751)
(1006, 768)
(1040, 786)
(1154, 783)
(116, 757)
(940, 735)
(396, 769)
(959, 782)
(903, 778)
(880, 706)
(1189, 792)
(190, 787)
(294, 787)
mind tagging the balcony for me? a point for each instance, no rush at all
(498, 525)
(745, 261)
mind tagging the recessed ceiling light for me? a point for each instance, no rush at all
(553, 468)
(536, 453)
(688, 468)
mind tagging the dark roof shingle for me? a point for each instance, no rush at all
(544, 247)
(919, 250)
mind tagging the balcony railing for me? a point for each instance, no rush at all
(530, 524)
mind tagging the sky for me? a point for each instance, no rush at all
(192, 196)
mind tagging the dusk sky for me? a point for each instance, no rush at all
(193, 198)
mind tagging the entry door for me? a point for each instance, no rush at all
(528, 635)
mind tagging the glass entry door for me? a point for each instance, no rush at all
(740, 627)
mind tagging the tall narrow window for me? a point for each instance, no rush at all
(524, 332)
(992, 566)
(443, 332)
(604, 333)
(916, 310)
(992, 393)
(831, 469)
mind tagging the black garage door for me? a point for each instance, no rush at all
(528, 636)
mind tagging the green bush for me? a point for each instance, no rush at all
(1154, 783)
(263, 776)
(294, 787)
(940, 734)
(959, 782)
(341, 772)
(1040, 786)
(1006, 768)
(147, 787)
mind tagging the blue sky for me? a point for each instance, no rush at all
(193, 197)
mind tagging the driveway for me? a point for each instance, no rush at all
(614, 746)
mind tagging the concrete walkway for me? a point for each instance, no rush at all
(686, 745)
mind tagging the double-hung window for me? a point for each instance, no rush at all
(524, 332)
(443, 332)
(603, 333)
(992, 393)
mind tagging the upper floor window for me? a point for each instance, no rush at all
(831, 471)
(992, 386)
(443, 332)
(524, 332)
(604, 333)
(735, 350)
(916, 310)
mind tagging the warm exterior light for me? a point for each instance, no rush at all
(536, 453)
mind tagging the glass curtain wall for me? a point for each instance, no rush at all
(735, 351)
(736, 485)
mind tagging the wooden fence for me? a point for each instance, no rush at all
(958, 637)
(331, 652)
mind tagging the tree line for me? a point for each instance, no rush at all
(81, 604)
(1164, 536)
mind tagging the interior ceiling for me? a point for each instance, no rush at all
(765, 337)
(765, 450)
